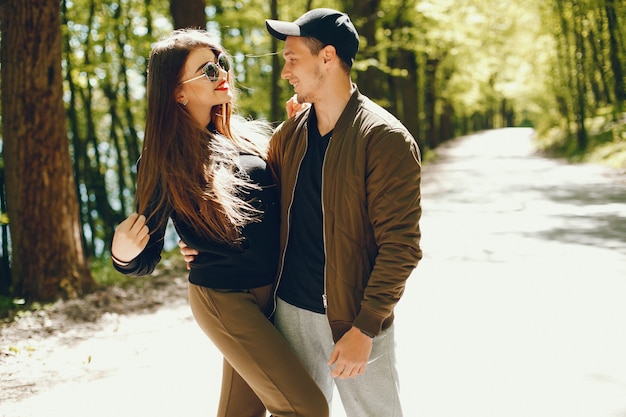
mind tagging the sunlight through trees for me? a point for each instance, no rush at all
(444, 67)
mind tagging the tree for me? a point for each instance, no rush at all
(443, 68)
(188, 13)
(616, 64)
(276, 109)
(364, 14)
(47, 252)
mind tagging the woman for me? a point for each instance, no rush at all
(204, 168)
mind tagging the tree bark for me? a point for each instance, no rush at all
(581, 91)
(364, 14)
(565, 96)
(47, 257)
(5, 267)
(616, 65)
(188, 13)
(276, 108)
(430, 100)
(405, 91)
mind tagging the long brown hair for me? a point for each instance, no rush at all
(184, 168)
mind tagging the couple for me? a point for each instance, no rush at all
(340, 180)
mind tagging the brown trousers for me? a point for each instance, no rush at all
(260, 370)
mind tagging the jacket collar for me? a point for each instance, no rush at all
(347, 116)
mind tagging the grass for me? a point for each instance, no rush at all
(104, 275)
(606, 143)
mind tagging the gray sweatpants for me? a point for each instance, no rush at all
(373, 394)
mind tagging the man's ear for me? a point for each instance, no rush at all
(329, 53)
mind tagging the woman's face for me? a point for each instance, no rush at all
(202, 94)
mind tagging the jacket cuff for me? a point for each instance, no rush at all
(126, 269)
(369, 322)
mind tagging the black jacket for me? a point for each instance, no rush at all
(253, 264)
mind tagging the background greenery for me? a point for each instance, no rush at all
(444, 67)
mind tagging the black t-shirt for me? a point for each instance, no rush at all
(302, 281)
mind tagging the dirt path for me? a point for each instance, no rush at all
(517, 309)
(61, 343)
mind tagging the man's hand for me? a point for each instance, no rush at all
(350, 354)
(188, 253)
(130, 238)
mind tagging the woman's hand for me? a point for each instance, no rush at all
(293, 107)
(130, 239)
(188, 253)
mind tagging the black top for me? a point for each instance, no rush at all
(302, 279)
(253, 264)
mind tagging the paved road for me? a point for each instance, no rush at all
(517, 310)
(519, 307)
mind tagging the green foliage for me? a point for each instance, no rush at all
(241, 26)
(243, 35)
(606, 145)
(107, 47)
(586, 75)
(11, 307)
(107, 276)
(489, 50)
(473, 64)
(490, 60)
(7, 304)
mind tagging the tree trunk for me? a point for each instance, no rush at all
(405, 91)
(73, 126)
(616, 65)
(372, 80)
(5, 267)
(48, 259)
(565, 94)
(131, 137)
(430, 101)
(188, 13)
(581, 90)
(446, 121)
(600, 86)
(277, 108)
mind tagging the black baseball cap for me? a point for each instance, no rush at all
(329, 26)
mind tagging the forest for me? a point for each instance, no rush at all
(73, 98)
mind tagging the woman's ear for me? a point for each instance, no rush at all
(181, 98)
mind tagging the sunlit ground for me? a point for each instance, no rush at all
(518, 308)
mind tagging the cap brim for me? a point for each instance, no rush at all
(280, 29)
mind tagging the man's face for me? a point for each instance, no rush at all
(302, 69)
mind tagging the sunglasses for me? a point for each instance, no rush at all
(212, 70)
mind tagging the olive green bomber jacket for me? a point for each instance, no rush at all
(371, 210)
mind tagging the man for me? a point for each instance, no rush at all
(349, 174)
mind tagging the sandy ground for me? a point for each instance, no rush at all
(517, 310)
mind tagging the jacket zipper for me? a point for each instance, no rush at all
(284, 252)
(324, 296)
